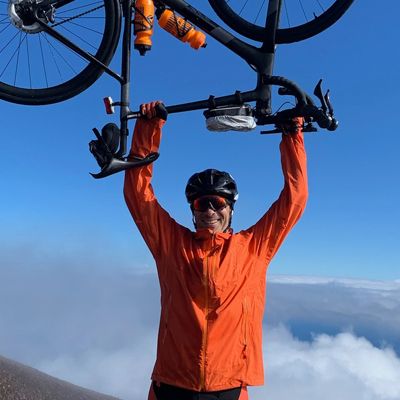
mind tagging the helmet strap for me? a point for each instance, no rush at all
(194, 220)
(230, 220)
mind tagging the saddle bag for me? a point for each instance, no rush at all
(230, 118)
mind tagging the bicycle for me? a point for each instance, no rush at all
(49, 25)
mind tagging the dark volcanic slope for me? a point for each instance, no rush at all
(19, 382)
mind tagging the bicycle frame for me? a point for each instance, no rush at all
(260, 59)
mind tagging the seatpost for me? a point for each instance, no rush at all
(127, 9)
(268, 50)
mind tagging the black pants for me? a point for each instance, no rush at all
(168, 392)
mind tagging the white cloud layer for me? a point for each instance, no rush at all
(96, 327)
(342, 367)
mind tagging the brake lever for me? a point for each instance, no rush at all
(328, 102)
(320, 96)
(334, 124)
(326, 107)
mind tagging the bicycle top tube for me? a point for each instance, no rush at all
(251, 54)
(261, 59)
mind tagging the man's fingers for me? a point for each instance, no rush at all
(148, 110)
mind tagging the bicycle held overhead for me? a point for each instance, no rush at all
(76, 48)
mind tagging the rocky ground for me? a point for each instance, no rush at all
(19, 382)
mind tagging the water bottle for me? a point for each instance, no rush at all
(143, 25)
(181, 29)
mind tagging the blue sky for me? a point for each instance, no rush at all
(67, 239)
(50, 202)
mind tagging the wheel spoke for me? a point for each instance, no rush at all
(302, 9)
(12, 56)
(28, 58)
(50, 46)
(259, 12)
(86, 28)
(72, 69)
(286, 13)
(296, 12)
(45, 62)
(302, 18)
(78, 37)
(18, 52)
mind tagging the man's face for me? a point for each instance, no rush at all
(212, 212)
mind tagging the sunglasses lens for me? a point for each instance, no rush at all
(206, 202)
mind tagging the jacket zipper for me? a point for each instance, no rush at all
(206, 311)
(205, 329)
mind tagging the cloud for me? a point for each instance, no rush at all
(329, 367)
(123, 372)
(343, 367)
(96, 326)
(310, 305)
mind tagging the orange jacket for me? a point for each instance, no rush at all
(212, 285)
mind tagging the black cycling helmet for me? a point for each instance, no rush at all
(211, 181)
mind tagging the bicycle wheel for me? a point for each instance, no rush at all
(37, 69)
(299, 19)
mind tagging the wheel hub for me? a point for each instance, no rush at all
(22, 15)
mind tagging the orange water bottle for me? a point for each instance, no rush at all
(181, 29)
(143, 25)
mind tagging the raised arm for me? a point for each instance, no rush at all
(153, 222)
(268, 233)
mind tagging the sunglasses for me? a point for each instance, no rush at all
(203, 203)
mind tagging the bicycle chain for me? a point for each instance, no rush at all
(76, 16)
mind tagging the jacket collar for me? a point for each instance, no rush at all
(204, 234)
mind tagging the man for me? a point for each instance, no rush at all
(212, 280)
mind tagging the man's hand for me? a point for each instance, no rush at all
(155, 109)
(292, 126)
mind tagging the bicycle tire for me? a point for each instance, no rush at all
(22, 90)
(285, 35)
